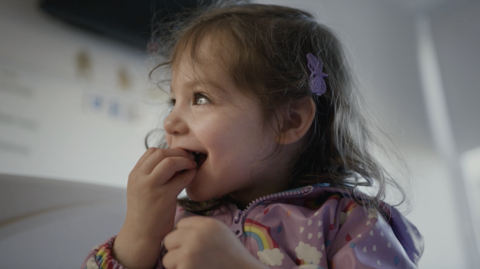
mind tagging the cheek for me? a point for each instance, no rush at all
(215, 132)
(168, 139)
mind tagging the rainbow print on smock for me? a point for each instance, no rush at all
(268, 251)
(260, 233)
(346, 211)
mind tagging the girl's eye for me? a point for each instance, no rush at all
(201, 99)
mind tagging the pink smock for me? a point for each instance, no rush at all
(316, 227)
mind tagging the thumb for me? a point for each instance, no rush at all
(180, 181)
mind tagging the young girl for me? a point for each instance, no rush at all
(267, 138)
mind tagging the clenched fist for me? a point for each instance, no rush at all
(206, 243)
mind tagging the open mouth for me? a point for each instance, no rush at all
(199, 158)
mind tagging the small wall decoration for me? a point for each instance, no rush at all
(124, 79)
(83, 64)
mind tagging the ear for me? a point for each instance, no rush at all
(296, 119)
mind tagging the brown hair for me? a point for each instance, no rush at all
(268, 45)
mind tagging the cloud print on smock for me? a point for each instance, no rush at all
(308, 253)
(271, 256)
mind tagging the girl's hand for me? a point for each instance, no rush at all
(153, 186)
(205, 243)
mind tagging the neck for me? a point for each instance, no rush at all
(243, 198)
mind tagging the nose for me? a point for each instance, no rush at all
(174, 123)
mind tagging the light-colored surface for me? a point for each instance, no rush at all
(47, 223)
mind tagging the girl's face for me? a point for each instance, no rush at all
(225, 125)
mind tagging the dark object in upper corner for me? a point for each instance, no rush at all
(129, 21)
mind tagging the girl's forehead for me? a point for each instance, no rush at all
(208, 74)
(211, 48)
(208, 61)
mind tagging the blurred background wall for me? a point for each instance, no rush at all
(76, 106)
(76, 97)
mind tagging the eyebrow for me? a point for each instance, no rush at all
(203, 82)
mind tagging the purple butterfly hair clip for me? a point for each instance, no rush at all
(317, 83)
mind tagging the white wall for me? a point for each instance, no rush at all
(457, 40)
(49, 123)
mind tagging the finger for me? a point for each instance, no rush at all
(166, 169)
(192, 221)
(174, 239)
(171, 259)
(181, 181)
(159, 155)
(145, 155)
